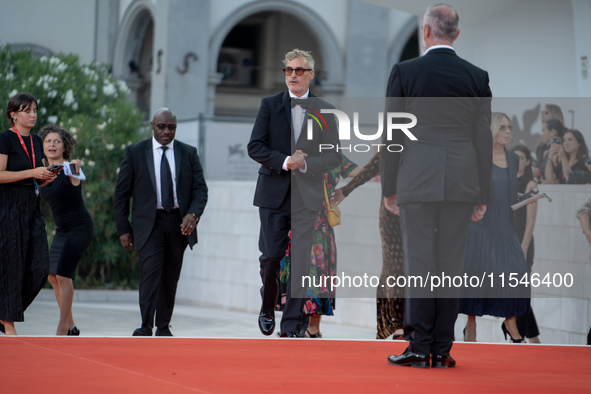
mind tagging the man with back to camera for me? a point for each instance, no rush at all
(439, 182)
(289, 189)
(165, 179)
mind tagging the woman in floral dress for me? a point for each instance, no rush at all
(320, 300)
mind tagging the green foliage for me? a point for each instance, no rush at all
(84, 100)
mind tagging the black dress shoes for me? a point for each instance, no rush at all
(443, 361)
(142, 332)
(267, 323)
(163, 332)
(410, 360)
(289, 335)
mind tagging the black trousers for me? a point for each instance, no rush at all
(434, 242)
(273, 240)
(162, 260)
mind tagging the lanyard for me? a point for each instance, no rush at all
(20, 138)
(25, 147)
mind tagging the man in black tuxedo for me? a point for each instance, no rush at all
(289, 190)
(165, 179)
(439, 182)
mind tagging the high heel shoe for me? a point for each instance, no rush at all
(73, 331)
(506, 332)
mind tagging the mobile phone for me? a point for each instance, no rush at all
(74, 169)
(55, 168)
(556, 140)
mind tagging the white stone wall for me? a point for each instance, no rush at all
(222, 270)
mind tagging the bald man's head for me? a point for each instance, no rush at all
(164, 126)
(443, 21)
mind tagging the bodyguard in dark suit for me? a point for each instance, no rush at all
(289, 190)
(440, 181)
(165, 179)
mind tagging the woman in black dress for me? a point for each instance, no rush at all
(23, 242)
(74, 228)
(525, 220)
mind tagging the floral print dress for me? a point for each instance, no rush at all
(323, 256)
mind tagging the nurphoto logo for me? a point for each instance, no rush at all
(344, 127)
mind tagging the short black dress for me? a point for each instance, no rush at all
(74, 227)
(23, 242)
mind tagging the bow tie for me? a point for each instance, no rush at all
(301, 102)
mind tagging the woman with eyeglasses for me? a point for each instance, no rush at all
(23, 242)
(74, 227)
(493, 247)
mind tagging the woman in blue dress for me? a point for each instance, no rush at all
(74, 228)
(493, 246)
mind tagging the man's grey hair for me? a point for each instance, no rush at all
(443, 21)
(299, 53)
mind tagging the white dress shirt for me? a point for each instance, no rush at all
(438, 47)
(157, 153)
(297, 120)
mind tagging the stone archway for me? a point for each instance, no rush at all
(133, 58)
(406, 31)
(327, 44)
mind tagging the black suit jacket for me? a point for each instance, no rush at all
(137, 180)
(452, 159)
(272, 141)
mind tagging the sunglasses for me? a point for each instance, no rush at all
(299, 71)
(163, 126)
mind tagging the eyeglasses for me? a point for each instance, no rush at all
(163, 126)
(299, 71)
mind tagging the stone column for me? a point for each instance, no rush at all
(181, 46)
(367, 50)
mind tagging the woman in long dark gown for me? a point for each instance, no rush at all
(23, 242)
(493, 246)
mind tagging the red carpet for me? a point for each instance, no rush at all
(177, 365)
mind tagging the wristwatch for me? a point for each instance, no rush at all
(194, 216)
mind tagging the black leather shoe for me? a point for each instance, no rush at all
(289, 335)
(410, 360)
(267, 323)
(163, 332)
(443, 361)
(142, 332)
